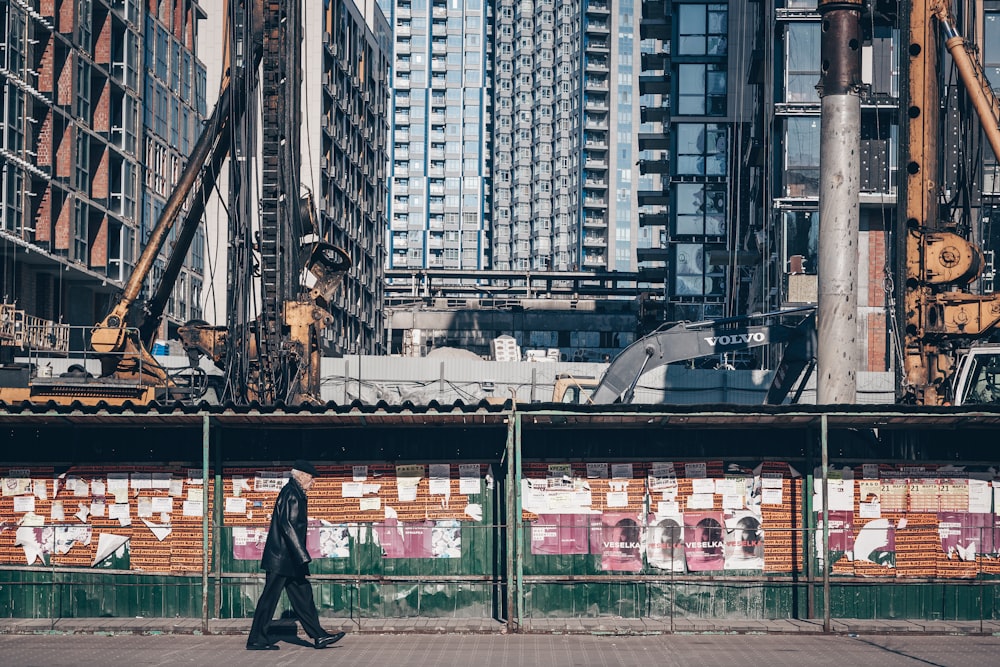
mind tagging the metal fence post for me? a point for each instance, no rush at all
(204, 522)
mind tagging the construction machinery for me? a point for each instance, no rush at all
(686, 341)
(269, 356)
(938, 317)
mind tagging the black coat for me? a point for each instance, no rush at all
(285, 550)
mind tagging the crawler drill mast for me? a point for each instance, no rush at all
(935, 316)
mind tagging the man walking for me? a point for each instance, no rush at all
(286, 562)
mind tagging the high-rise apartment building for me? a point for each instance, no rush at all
(565, 115)
(440, 196)
(100, 98)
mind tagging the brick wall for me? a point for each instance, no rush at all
(99, 245)
(62, 224)
(877, 342)
(101, 122)
(64, 93)
(64, 153)
(876, 268)
(67, 17)
(47, 8)
(46, 75)
(43, 217)
(43, 146)
(99, 179)
(102, 44)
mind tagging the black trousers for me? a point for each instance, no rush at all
(300, 594)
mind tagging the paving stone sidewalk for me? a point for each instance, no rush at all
(554, 626)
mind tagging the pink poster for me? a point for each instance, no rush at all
(618, 538)
(248, 543)
(965, 534)
(704, 542)
(560, 534)
(841, 533)
(405, 540)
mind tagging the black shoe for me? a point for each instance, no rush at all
(262, 647)
(328, 640)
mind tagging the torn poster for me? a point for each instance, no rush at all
(334, 541)
(110, 545)
(36, 543)
(160, 531)
(446, 539)
(67, 537)
(16, 486)
(662, 476)
(665, 542)
(744, 541)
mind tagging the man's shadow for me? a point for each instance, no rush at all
(286, 629)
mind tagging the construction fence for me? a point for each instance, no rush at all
(519, 516)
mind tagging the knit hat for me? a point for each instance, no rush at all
(304, 466)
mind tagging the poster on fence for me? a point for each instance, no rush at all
(876, 543)
(665, 542)
(744, 538)
(704, 544)
(618, 539)
(560, 535)
(405, 540)
(964, 535)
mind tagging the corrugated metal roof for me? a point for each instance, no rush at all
(486, 414)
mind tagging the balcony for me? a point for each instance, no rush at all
(594, 260)
(653, 219)
(595, 159)
(654, 166)
(598, 83)
(654, 141)
(598, 8)
(597, 26)
(594, 241)
(598, 221)
(595, 44)
(653, 198)
(654, 84)
(596, 102)
(659, 114)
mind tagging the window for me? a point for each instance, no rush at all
(800, 231)
(802, 157)
(802, 62)
(702, 149)
(702, 30)
(701, 209)
(693, 275)
(701, 89)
